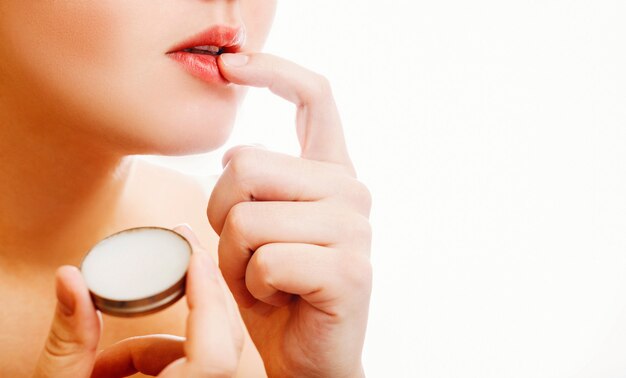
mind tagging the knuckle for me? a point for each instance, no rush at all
(363, 195)
(364, 228)
(361, 230)
(357, 271)
(357, 194)
(213, 210)
(236, 220)
(350, 170)
(319, 87)
(323, 84)
(261, 264)
(60, 344)
(243, 162)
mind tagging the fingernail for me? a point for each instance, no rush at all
(186, 231)
(235, 60)
(184, 225)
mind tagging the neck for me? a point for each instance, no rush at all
(59, 193)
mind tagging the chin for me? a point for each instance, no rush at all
(178, 134)
(170, 134)
(189, 139)
(182, 123)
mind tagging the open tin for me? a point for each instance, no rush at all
(137, 271)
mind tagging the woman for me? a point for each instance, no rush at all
(84, 85)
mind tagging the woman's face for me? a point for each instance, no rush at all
(99, 69)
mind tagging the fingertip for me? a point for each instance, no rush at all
(186, 231)
(227, 70)
(234, 60)
(73, 295)
(182, 227)
(66, 291)
(66, 272)
(201, 262)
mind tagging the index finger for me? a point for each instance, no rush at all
(318, 124)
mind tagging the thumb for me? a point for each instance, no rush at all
(72, 343)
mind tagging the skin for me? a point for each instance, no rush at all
(66, 172)
(93, 87)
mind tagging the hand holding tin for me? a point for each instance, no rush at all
(212, 346)
(137, 271)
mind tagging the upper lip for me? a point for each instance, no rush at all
(228, 38)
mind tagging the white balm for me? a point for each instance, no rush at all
(137, 271)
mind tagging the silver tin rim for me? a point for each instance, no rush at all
(141, 306)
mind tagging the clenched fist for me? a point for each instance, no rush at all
(294, 231)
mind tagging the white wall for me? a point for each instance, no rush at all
(493, 137)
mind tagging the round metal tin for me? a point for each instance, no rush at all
(144, 305)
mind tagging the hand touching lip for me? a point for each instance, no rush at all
(294, 231)
(318, 122)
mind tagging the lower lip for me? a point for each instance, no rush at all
(202, 66)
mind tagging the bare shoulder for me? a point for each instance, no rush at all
(165, 197)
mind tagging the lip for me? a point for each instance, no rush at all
(204, 66)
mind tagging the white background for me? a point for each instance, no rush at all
(492, 135)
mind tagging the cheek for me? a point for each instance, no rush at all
(60, 58)
(47, 40)
(98, 68)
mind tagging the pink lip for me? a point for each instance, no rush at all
(204, 66)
